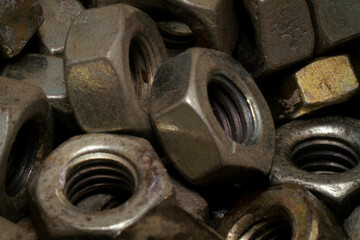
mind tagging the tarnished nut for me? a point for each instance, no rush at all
(11, 231)
(211, 118)
(19, 20)
(323, 156)
(208, 23)
(276, 35)
(58, 17)
(352, 224)
(282, 212)
(191, 201)
(324, 82)
(26, 224)
(123, 167)
(109, 77)
(170, 223)
(25, 139)
(335, 22)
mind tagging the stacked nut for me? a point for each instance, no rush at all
(179, 119)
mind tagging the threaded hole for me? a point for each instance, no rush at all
(99, 184)
(275, 228)
(324, 155)
(176, 35)
(230, 108)
(22, 158)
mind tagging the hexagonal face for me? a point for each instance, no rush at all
(205, 109)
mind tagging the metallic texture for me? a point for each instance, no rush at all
(280, 34)
(123, 167)
(325, 81)
(282, 212)
(25, 139)
(58, 17)
(28, 226)
(109, 77)
(11, 231)
(323, 156)
(352, 224)
(211, 118)
(19, 20)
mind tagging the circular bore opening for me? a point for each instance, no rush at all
(272, 228)
(22, 158)
(324, 155)
(99, 184)
(230, 108)
(176, 34)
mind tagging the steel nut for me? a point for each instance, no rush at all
(283, 35)
(25, 139)
(111, 56)
(123, 167)
(335, 23)
(211, 118)
(58, 17)
(213, 23)
(11, 231)
(19, 20)
(322, 155)
(282, 212)
(324, 82)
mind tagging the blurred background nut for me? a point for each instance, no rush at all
(25, 139)
(188, 23)
(352, 224)
(124, 167)
(19, 20)
(11, 231)
(282, 212)
(323, 156)
(324, 82)
(335, 22)
(109, 77)
(273, 35)
(211, 118)
(26, 224)
(58, 17)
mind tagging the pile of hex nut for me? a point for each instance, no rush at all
(179, 119)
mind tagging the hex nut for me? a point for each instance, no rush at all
(279, 34)
(197, 95)
(352, 226)
(322, 155)
(58, 17)
(324, 82)
(109, 78)
(124, 167)
(26, 224)
(284, 212)
(335, 23)
(11, 231)
(26, 137)
(19, 20)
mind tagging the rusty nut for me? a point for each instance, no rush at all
(11, 231)
(123, 167)
(282, 212)
(211, 118)
(322, 155)
(108, 79)
(58, 17)
(26, 136)
(324, 82)
(19, 20)
(275, 35)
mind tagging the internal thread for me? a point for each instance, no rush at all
(275, 228)
(324, 155)
(230, 109)
(99, 177)
(176, 35)
(22, 158)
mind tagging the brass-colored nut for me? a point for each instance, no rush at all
(25, 139)
(109, 75)
(211, 118)
(282, 212)
(11, 231)
(335, 22)
(213, 23)
(19, 20)
(279, 34)
(323, 82)
(323, 156)
(58, 17)
(123, 167)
